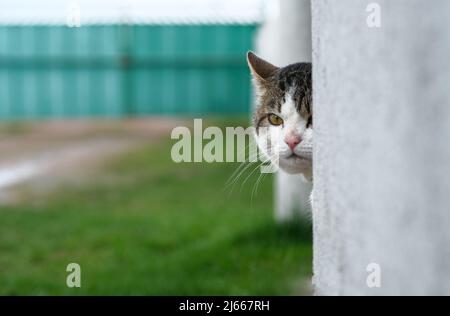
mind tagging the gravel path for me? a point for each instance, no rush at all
(48, 152)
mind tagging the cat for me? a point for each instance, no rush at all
(283, 118)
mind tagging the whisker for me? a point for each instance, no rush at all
(238, 172)
(243, 171)
(259, 165)
(255, 188)
(242, 164)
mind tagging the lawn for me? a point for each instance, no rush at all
(147, 226)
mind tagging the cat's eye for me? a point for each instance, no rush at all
(275, 120)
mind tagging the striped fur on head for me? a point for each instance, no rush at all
(285, 93)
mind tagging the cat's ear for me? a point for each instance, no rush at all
(261, 69)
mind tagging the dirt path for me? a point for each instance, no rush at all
(56, 151)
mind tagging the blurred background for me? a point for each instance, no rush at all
(89, 94)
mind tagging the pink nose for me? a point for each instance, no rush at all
(292, 141)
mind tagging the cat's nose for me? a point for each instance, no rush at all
(292, 141)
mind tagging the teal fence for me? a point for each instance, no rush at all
(55, 71)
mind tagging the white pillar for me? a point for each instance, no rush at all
(381, 147)
(285, 38)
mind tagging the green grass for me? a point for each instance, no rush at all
(147, 226)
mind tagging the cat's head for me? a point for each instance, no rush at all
(283, 118)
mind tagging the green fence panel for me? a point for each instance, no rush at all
(123, 70)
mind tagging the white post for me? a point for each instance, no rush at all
(382, 152)
(284, 39)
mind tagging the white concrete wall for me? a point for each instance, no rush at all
(382, 147)
(285, 38)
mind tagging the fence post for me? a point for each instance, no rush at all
(382, 155)
(285, 38)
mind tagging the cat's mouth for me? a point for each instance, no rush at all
(295, 163)
(296, 157)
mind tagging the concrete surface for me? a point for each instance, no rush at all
(382, 153)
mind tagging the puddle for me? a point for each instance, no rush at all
(49, 162)
(10, 176)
